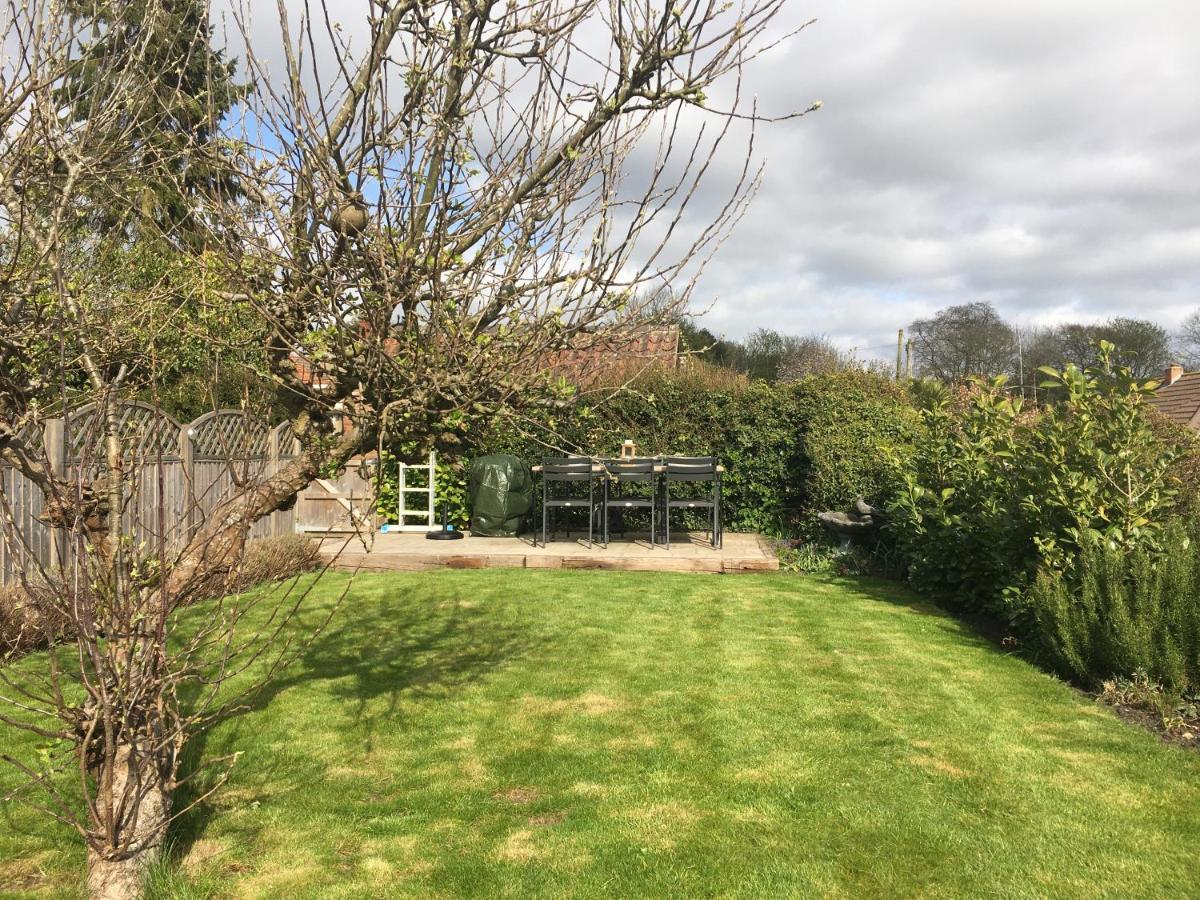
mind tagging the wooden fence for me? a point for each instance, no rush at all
(178, 475)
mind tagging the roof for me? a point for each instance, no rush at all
(621, 351)
(1180, 401)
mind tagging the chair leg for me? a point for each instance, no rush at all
(720, 526)
(713, 524)
(604, 502)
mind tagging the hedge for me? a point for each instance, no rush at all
(790, 450)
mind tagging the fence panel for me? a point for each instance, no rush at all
(24, 538)
(181, 474)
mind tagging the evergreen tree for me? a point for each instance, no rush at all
(175, 88)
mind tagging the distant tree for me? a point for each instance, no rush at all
(1142, 346)
(965, 340)
(166, 141)
(703, 344)
(765, 351)
(814, 354)
(1187, 342)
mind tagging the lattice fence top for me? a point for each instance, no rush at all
(285, 439)
(144, 432)
(228, 434)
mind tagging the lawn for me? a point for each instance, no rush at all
(519, 733)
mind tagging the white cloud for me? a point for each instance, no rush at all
(1039, 156)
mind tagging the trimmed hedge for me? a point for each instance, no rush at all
(857, 436)
(790, 450)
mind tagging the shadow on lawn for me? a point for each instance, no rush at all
(393, 645)
(976, 629)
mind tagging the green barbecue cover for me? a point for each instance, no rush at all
(501, 491)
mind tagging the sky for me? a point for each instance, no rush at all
(1041, 156)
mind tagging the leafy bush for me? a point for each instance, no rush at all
(957, 521)
(450, 488)
(993, 492)
(1183, 444)
(857, 433)
(1121, 611)
(1097, 474)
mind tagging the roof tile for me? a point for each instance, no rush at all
(1179, 401)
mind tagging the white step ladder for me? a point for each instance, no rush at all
(405, 511)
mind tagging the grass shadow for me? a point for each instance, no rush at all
(389, 643)
(976, 628)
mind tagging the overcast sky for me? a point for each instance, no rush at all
(1043, 156)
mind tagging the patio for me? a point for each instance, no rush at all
(409, 552)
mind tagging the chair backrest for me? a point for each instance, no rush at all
(690, 468)
(567, 468)
(639, 468)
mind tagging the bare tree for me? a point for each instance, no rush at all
(961, 341)
(1187, 341)
(814, 354)
(420, 220)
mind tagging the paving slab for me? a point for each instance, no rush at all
(408, 552)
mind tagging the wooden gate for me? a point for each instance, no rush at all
(345, 503)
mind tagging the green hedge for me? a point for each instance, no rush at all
(790, 451)
(1057, 521)
(857, 433)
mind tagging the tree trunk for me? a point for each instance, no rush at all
(119, 873)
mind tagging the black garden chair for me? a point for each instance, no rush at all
(692, 470)
(622, 474)
(570, 471)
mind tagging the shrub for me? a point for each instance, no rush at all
(957, 521)
(1119, 612)
(450, 488)
(992, 493)
(816, 558)
(857, 432)
(1175, 713)
(1096, 473)
(275, 559)
(29, 621)
(1183, 444)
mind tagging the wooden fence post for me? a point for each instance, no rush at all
(54, 442)
(187, 471)
(271, 468)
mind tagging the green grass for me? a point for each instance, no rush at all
(516, 733)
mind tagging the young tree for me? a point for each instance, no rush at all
(423, 218)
